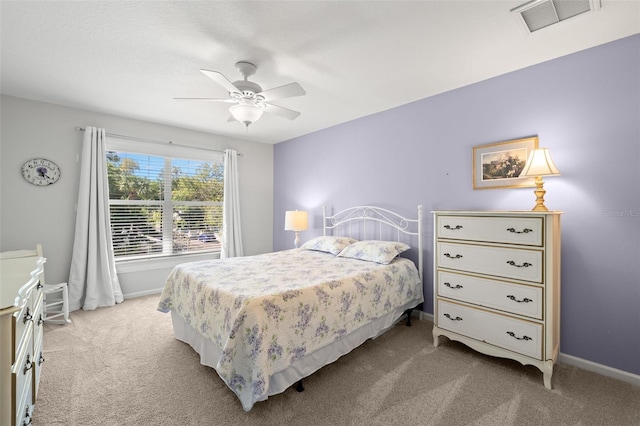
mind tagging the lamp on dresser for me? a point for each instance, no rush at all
(296, 220)
(539, 164)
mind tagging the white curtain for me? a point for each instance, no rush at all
(231, 234)
(93, 281)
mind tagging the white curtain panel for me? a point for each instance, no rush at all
(93, 282)
(231, 232)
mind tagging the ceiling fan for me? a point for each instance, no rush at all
(249, 100)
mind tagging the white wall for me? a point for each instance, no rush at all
(46, 215)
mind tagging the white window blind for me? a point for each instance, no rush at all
(162, 205)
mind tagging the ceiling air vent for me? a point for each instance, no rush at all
(538, 14)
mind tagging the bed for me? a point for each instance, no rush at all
(265, 322)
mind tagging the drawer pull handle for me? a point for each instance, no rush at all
(525, 300)
(27, 418)
(512, 334)
(39, 286)
(27, 316)
(40, 320)
(524, 231)
(27, 365)
(450, 286)
(524, 265)
(41, 360)
(453, 319)
(453, 228)
(457, 256)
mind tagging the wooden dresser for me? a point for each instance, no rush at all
(497, 284)
(21, 332)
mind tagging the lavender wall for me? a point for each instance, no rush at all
(584, 107)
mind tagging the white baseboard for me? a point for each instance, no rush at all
(624, 376)
(142, 293)
(607, 371)
(425, 316)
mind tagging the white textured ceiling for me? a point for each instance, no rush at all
(353, 58)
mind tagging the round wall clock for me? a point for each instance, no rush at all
(40, 172)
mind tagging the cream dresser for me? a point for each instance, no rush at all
(497, 284)
(21, 332)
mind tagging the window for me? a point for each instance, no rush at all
(163, 205)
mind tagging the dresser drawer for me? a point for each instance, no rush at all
(509, 333)
(513, 298)
(38, 319)
(20, 321)
(24, 408)
(38, 337)
(22, 370)
(509, 230)
(522, 264)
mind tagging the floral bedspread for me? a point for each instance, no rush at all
(267, 311)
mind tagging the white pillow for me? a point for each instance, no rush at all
(329, 243)
(374, 251)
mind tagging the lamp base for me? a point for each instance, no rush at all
(296, 242)
(539, 191)
(538, 208)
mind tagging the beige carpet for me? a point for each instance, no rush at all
(122, 366)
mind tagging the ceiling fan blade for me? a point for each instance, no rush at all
(287, 91)
(227, 100)
(282, 112)
(221, 80)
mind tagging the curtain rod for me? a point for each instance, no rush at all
(132, 138)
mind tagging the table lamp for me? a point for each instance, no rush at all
(296, 220)
(539, 164)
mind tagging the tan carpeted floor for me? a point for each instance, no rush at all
(122, 366)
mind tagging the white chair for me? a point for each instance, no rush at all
(56, 306)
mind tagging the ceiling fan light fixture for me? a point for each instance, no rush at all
(246, 113)
(249, 100)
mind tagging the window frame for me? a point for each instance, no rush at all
(167, 152)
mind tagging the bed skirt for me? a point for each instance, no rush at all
(279, 381)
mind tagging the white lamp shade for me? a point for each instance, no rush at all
(296, 220)
(246, 113)
(539, 163)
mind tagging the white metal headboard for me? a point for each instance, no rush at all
(375, 223)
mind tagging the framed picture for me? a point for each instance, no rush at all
(498, 165)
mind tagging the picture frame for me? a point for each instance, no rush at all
(498, 165)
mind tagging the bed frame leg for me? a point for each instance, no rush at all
(408, 312)
(299, 386)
